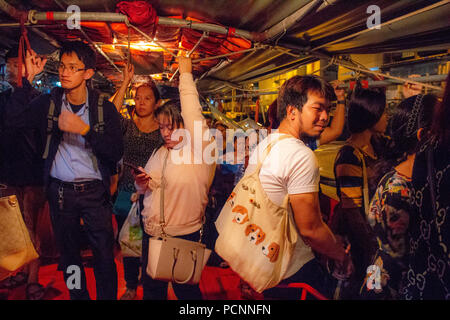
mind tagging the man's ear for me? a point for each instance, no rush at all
(89, 73)
(290, 111)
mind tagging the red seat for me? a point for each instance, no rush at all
(306, 288)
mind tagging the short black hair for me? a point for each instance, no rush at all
(150, 84)
(294, 92)
(365, 109)
(82, 50)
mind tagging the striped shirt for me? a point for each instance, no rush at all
(348, 169)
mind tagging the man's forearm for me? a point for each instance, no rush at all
(322, 240)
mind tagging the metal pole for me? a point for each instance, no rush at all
(289, 21)
(118, 17)
(402, 80)
(100, 50)
(228, 54)
(205, 34)
(150, 39)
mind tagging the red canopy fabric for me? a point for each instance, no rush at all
(140, 14)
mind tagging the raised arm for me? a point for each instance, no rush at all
(128, 74)
(336, 127)
(191, 109)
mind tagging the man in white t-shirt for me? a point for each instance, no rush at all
(291, 168)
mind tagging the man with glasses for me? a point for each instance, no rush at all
(82, 143)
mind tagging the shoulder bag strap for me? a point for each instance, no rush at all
(162, 221)
(365, 181)
(268, 149)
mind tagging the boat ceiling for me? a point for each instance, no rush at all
(331, 28)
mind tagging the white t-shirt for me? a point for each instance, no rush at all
(290, 168)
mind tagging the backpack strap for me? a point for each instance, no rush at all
(50, 120)
(100, 125)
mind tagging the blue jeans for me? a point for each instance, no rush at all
(91, 205)
(156, 289)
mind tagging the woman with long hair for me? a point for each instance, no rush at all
(175, 169)
(390, 207)
(428, 273)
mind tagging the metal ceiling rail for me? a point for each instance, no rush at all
(35, 16)
(348, 65)
(97, 47)
(288, 22)
(371, 83)
(204, 35)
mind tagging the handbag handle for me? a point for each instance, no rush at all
(175, 258)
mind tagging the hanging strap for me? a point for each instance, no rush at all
(50, 120)
(22, 52)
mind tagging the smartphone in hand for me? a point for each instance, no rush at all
(135, 169)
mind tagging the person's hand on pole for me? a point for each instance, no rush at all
(128, 73)
(184, 64)
(410, 89)
(338, 90)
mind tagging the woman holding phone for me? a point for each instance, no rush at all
(141, 136)
(186, 183)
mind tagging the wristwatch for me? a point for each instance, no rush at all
(340, 102)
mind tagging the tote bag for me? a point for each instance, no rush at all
(16, 248)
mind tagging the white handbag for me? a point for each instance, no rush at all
(174, 259)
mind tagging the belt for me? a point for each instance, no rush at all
(77, 186)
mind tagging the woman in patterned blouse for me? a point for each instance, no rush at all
(428, 271)
(390, 208)
(141, 137)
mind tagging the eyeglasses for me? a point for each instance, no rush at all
(71, 68)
